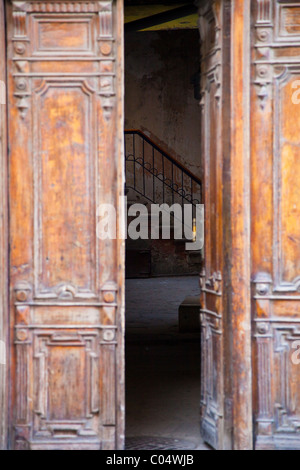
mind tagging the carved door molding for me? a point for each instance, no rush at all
(275, 222)
(212, 368)
(258, 188)
(65, 82)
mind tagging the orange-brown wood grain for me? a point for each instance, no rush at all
(275, 223)
(240, 229)
(65, 111)
(3, 239)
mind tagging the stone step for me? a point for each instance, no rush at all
(138, 244)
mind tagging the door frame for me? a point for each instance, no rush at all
(3, 239)
(6, 423)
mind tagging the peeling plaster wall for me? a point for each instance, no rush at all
(159, 95)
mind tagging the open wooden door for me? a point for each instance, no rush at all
(66, 286)
(226, 392)
(251, 65)
(3, 236)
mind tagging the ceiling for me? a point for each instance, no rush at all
(167, 15)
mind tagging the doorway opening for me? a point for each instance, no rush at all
(162, 125)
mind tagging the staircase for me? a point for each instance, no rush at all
(155, 177)
(150, 171)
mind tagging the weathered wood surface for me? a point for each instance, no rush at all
(66, 293)
(66, 286)
(275, 227)
(3, 235)
(240, 306)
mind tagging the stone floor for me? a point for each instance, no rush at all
(162, 366)
(157, 443)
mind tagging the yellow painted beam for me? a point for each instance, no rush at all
(186, 22)
(138, 12)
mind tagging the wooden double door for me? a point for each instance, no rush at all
(62, 288)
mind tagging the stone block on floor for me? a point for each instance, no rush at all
(189, 314)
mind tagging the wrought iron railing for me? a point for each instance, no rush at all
(156, 175)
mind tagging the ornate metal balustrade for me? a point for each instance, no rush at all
(156, 175)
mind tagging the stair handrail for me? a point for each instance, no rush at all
(166, 154)
(185, 191)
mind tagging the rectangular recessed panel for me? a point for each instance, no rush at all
(213, 183)
(58, 35)
(49, 315)
(286, 380)
(67, 383)
(288, 185)
(66, 210)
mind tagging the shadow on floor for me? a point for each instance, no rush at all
(162, 367)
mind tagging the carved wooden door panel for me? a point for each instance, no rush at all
(3, 235)
(66, 285)
(275, 161)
